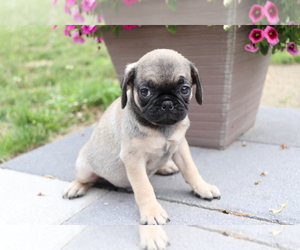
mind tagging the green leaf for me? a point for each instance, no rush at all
(265, 42)
(107, 28)
(116, 30)
(172, 28)
(264, 49)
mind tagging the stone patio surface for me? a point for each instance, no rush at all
(33, 214)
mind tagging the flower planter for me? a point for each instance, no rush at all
(188, 12)
(232, 78)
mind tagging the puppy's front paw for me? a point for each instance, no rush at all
(207, 191)
(153, 237)
(76, 189)
(168, 169)
(153, 215)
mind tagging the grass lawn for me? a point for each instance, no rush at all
(284, 58)
(48, 85)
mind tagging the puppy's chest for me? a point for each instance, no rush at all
(159, 152)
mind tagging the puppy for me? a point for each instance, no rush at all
(143, 132)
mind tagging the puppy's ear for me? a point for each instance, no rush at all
(127, 81)
(196, 80)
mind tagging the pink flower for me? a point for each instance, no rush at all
(88, 5)
(71, 27)
(54, 2)
(129, 2)
(70, 2)
(129, 27)
(256, 35)
(99, 40)
(100, 18)
(77, 15)
(67, 32)
(77, 37)
(291, 23)
(68, 28)
(54, 27)
(292, 48)
(256, 13)
(67, 9)
(88, 29)
(251, 47)
(272, 35)
(271, 12)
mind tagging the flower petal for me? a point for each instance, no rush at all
(292, 48)
(256, 35)
(256, 13)
(271, 35)
(271, 12)
(251, 47)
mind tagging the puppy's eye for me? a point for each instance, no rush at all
(145, 92)
(185, 90)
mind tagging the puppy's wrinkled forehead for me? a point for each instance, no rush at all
(162, 66)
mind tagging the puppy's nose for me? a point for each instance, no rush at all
(167, 105)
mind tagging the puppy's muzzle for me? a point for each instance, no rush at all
(167, 105)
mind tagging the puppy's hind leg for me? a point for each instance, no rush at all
(85, 178)
(168, 169)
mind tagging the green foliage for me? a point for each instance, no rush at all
(264, 49)
(48, 84)
(172, 28)
(108, 28)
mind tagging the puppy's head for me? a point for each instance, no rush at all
(161, 85)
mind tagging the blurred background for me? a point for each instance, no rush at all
(31, 12)
(51, 86)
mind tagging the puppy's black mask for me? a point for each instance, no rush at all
(163, 104)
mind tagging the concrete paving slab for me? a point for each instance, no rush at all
(33, 200)
(115, 208)
(189, 237)
(118, 208)
(234, 171)
(275, 126)
(37, 237)
(106, 237)
(286, 237)
(180, 237)
(57, 158)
